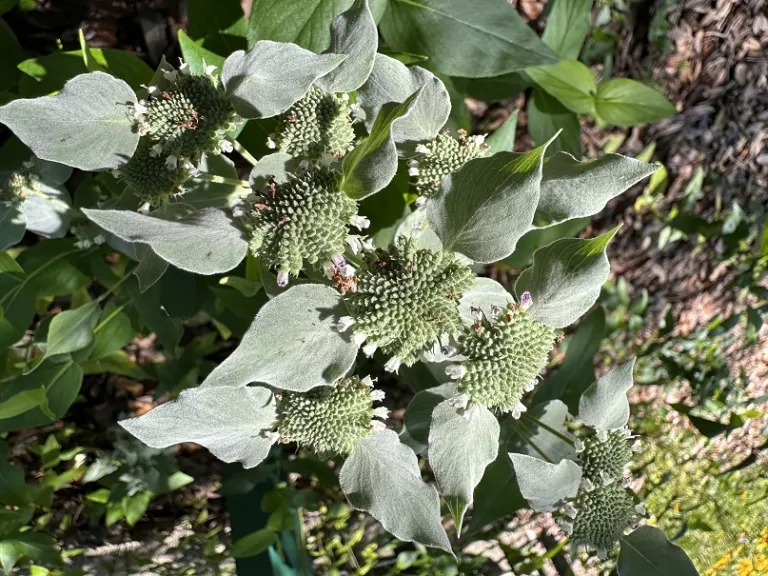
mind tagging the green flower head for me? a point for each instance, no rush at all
(330, 420)
(318, 125)
(603, 456)
(405, 300)
(443, 156)
(505, 355)
(305, 219)
(154, 175)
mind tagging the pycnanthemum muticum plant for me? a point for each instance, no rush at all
(153, 176)
(406, 299)
(303, 220)
(505, 355)
(331, 420)
(603, 455)
(319, 125)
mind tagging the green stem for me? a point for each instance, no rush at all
(244, 153)
(519, 428)
(108, 319)
(549, 429)
(222, 180)
(116, 285)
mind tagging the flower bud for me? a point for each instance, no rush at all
(154, 176)
(604, 460)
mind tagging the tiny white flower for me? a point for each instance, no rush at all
(347, 270)
(602, 435)
(422, 149)
(184, 67)
(225, 146)
(378, 425)
(151, 90)
(479, 139)
(345, 97)
(625, 482)
(238, 212)
(420, 201)
(140, 107)
(637, 447)
(526, 300)
(156, 150)
(531, 385)
(627, 433)
(368, 381)
(360, 222)
(338, 260)
(476, 312)
(587, 484)
(377, 395)
(282, 279)
(570, 511)
(413, 168)
(455, 371)
(393, 364)
(115, 173)
(370, 349)
(170, 75)
(237, 119)
(210, 69)
(566, 526)
(344, 323)
(355, 243)
(143, 129)
(367, 243)
(606, 478)
(359, 339)
(467, 414)
(271, 144)
(518, 410)
(171, 162)
(460, 401)
(99, 239)
(640, 509)
(578, 446)
(381, 412)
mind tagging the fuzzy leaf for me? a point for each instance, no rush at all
(352, 33)
(382, 477)
(72, 330)
(465, 38)
(418, 416)
(392, 81)
(459, 451)
(648, 552)
(484, 208)
(228, 421)
(565, 278)
(572, 189)
(626, 102)
(12, 224)
(86, 126)
(271, 76)
(483, 294)
(544, 484)
(48, 216)
(531, 436)
(373, 163)
(151, 267)
(604, 405)
(292, 344)
(203, 242)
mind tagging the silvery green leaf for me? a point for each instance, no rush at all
(415, 225)
(392, 81)
(204, 242)
(648, 552)
(292, 344)
(151, 267)
(373, 163)
(87, 125)
(497, 495)
(484, 208)
(604, 405)
(278, 166)
(72, 330)
(533, 433)
(572, 189)
(483, 294)
(271, 76)
(52, 173)
(352, 33)
(233, 423)
(544, 484)
(418, 416)
(382, 477)
(565, 278)
(461, 445)
(47, 210)
(12, 224)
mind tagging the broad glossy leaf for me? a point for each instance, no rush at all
(503, 138)
(566, 278)
(373, 163)
(484, 208)
(382, 477)
(626, 102)
(573, 189)
(418, 416)
(222, 26)
(567, 27)
(198, 57)
(460, 448)
(230, 422)
(154, 315)
(271, 76)
(113, 331)
(12, 224)
(484, 294)
(604, 405)
(203, 242)
(40, 548)
(352, 33)
(12, 55)
(533, 433)
(254, 543)
(292, 344)
(504, 87)
(392, 81)
(464, 38)
(86, 126)
(545, 485)
(47, 210)
(72, 330)
(648, 552)
(570, 82)
(22, 402)
(547, 117)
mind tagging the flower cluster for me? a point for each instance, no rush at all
(405, 300)
(443, 156)
(305, 219)
(317, 126)
(505, 354)
(330, 420)
(15, 186)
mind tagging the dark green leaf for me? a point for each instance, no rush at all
(547, 117)
(503, 139)
(72, 330)
(567, 27)
(253, 544)
(626, 102)
(648, 552)
(570, 82)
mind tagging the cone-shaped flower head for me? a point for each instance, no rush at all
(505, 356)
(406, 298)
(317, 125)
(304, 219)
(330, 420)
(443, 156)
(600, 516)
(154, 176)
(190, 117)
(605, 455)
